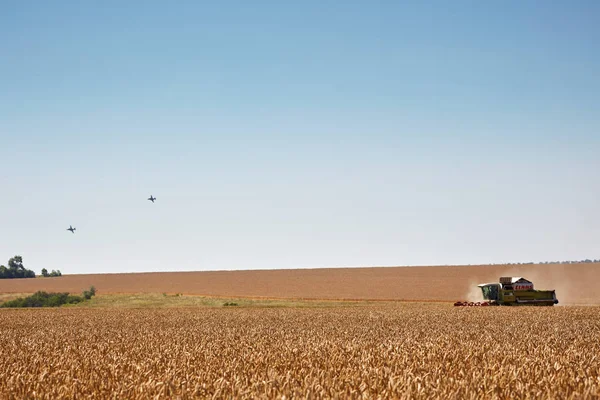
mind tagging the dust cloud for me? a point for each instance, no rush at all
(474, 293)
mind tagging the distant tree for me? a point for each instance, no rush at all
(15, 264)
(55, 273)
(44, 272)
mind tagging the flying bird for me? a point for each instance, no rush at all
(152, 198)
(70, 228)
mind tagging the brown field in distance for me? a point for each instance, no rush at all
(574, 283)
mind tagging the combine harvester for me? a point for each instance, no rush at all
(512, 291)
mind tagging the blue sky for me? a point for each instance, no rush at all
(298, 134)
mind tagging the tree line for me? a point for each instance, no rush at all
(586, 261)
(53, 273)
(16, 270)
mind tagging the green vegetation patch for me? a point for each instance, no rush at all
(45, 299)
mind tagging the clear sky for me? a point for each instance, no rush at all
(295, 134)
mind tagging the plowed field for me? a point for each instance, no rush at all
(574, 283)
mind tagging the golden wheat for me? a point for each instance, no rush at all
(380, 351)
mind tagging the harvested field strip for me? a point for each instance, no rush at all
(401, 351)
(143, 300)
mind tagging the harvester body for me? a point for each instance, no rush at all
(517, 291)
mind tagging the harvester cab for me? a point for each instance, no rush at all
(513, 291)
(490, 291)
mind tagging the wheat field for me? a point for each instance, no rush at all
(400, 350)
